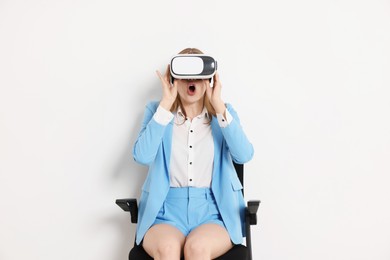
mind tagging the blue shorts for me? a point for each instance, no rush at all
(187, 208)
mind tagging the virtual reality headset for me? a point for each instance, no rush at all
(193, 66)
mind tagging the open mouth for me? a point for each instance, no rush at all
(191, 89)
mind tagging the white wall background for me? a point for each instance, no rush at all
(310, 80)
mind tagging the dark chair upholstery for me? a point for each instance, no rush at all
(238, 252)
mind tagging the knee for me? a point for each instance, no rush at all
(167, 249)
(196, 248)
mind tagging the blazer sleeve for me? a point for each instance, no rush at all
(240, 148)
(149, 138)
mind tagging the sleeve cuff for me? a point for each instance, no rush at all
(162, 116)
(222, 121)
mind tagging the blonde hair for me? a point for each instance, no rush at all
(206, 101)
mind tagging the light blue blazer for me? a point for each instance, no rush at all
(153, 148)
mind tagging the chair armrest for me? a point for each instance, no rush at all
(251, 219)
(129, 205)
(251, 211)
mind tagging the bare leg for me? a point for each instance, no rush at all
(207, 242)
(164, 242)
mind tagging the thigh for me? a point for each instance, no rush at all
(163, 236)
(212, 237)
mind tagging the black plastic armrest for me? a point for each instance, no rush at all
(251, 211)
(129, 205)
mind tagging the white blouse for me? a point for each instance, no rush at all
(192, 153)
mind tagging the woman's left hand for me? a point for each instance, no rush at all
(214, 94)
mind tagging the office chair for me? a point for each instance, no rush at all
(238, 252)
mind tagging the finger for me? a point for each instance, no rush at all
(209, 90)
(167, 73)
(159, 74)
(216, 81)
(167, 70)
(216, 78)
(217, 86)
(206, 82)
(162, 80)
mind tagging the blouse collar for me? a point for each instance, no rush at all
(181, 117)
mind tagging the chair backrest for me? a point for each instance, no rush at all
(240, 173)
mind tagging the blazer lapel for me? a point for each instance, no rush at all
(167, 145)
(218, 139)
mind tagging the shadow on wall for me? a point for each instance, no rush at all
(130, 176)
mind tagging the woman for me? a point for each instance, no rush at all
(191, 201)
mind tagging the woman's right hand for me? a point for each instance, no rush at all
(169, 90)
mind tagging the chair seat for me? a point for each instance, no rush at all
(138, 253)
(238, 252)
